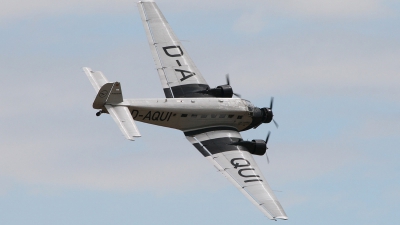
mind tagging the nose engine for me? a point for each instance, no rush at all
(267, 115)
(260, 116)
(263, 115)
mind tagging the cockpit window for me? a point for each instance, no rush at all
(249, 105)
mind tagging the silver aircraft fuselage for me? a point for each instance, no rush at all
(191, 113)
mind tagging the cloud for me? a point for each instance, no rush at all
(78, 161)
(255, 19)
(250, 22)
(24, 8)
(335, 8)
(314, 8)
(322, 63)
(304, 162)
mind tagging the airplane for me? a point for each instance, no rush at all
(210, 118)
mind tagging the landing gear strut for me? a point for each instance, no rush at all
(99, 113)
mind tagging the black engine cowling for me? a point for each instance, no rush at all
(222, 91)
(255, 147)
(225, 91)
(267, 115)
(259, 147)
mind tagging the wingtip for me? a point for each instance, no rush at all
(86, 68)
(281, 217)
(133, 138)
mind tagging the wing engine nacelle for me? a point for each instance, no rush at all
(255, 147)
(222, 91)
(259, 147)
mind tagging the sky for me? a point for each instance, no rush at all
(332, 67)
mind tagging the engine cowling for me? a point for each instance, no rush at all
(259, 147)
(225, 91)
(268, 115)
(222, 91)
(255, 147)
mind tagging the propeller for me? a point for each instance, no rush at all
(276, 124)
(266, 141)
(271, 104)
(229, 83)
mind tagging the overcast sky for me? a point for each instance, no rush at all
(332, 66)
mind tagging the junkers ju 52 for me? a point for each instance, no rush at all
(209, 117)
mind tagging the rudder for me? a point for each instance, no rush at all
(109, 93)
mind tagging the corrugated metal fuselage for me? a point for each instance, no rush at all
(190, 113)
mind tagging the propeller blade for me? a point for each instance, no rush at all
(228, 82)
(276, 124)
(237, 95)
(266, 139)
(271, 103)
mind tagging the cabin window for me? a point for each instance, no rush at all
(184, 115)
(213, 115)
(230, 116)
(222, 116)
(203, 116)
(240, 117)
(194, 115)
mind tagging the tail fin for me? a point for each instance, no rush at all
(108, 94)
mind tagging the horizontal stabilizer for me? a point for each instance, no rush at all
(97, 79)
(123, 119)
(107, 95)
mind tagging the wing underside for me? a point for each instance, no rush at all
(238, 166)
(178, 74)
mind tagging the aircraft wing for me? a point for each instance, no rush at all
(238, 166)
(179, 76)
